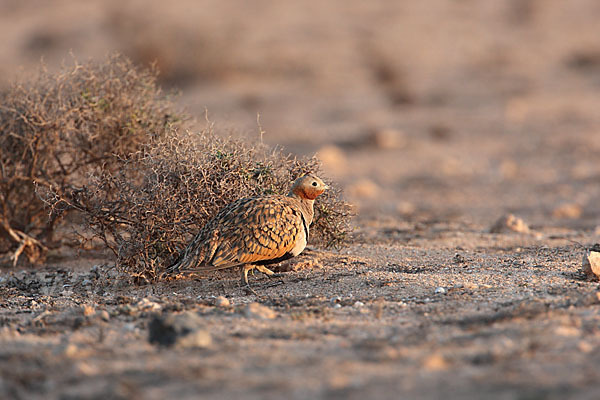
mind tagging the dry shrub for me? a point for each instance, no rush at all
(184, 179)
(58, 128)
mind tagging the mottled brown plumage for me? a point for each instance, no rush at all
(253, 232)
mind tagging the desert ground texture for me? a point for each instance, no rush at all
(437, 118)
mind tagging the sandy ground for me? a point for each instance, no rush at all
(436, 117)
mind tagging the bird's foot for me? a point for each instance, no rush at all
(244, 279)
(249, 291)
(265, 270)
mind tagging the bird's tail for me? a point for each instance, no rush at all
(187, 260)
(197, 257)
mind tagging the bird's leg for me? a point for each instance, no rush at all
(268, 272)
(244, 282)
(245, 269)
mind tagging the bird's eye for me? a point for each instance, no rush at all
(314, 184)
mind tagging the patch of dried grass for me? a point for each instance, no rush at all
(58, 128)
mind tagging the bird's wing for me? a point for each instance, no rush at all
(257, 229)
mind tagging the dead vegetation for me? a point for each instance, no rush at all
(182, 180)
(58, 128)
(103, 140)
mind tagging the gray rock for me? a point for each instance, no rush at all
(184, 330)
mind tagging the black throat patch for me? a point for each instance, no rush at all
(305, 227)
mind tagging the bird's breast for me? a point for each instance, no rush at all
(300, 243)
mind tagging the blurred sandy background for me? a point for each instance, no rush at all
(441, 108)
(436, 117)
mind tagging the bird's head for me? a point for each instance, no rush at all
(308, 187)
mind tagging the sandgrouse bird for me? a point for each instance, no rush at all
(254, 232)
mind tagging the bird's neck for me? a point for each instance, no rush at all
(306, 205)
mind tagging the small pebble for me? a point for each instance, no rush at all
(258, 311)
(71, 350)
(406, 208)
(359, 304)
(222, 301)
(87, 310)
(103, 315)
(591, 262)
(441, 290)
(508, 223)
(568, 211)
(435, 362)
(337, 305)
(147, 305)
